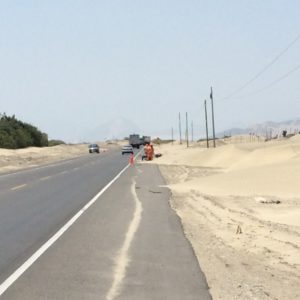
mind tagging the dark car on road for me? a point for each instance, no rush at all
(94, 148)
(127, 149)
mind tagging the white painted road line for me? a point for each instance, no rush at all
(51, 165)
(14, 276)
(122, 260)
(45, 178)
(18, 187)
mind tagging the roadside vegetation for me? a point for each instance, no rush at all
(15, 134)
(55, 143)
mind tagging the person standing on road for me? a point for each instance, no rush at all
(151, 152)
(147, 150)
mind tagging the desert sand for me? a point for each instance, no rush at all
(13, 160)
(240, 208)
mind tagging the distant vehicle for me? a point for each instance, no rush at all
(135, 141)
(127, 149)
(146, 140)
(94, 148)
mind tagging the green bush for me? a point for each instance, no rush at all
(15, 134)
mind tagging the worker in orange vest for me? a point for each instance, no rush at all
(147, 150)
(151, 154)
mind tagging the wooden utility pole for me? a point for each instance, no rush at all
(180, 140)
(192, 131)
(213, 116)
(172, 134)
(187, 129)
(207, 143)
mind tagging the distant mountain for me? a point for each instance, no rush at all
(113, 129)
(291, 126)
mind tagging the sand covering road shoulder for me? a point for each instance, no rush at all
(240, 209)
(13, 160)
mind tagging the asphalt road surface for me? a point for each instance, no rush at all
(128, 244)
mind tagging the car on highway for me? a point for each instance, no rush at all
(94, 148)
(127, 149)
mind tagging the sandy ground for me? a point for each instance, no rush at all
(240, 209)
(12, 160)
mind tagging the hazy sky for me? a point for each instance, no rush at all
(69, 66)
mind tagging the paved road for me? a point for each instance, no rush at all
(128, 245)
(35, 203)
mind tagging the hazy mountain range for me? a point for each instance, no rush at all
(111, 130)
(121, 127)
(266, 128)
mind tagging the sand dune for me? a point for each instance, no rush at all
(222, 157)
(240, 208)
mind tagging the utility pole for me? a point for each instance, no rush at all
(187, 130)
(180, 141)
(207, 143)
(213, 116)
(192, 131)
(172, 133)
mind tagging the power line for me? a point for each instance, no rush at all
(271, 84)
(263, 70)
(274, 82)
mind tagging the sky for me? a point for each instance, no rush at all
(70, 67)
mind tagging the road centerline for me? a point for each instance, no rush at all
(45, 178)
(18, 187)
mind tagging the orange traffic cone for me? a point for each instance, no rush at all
(131, 160)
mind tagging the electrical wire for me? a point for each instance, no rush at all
(263, 70)
(274, 82)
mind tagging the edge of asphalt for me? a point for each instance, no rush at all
(43, 166)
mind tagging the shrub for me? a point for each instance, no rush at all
(15, 134)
